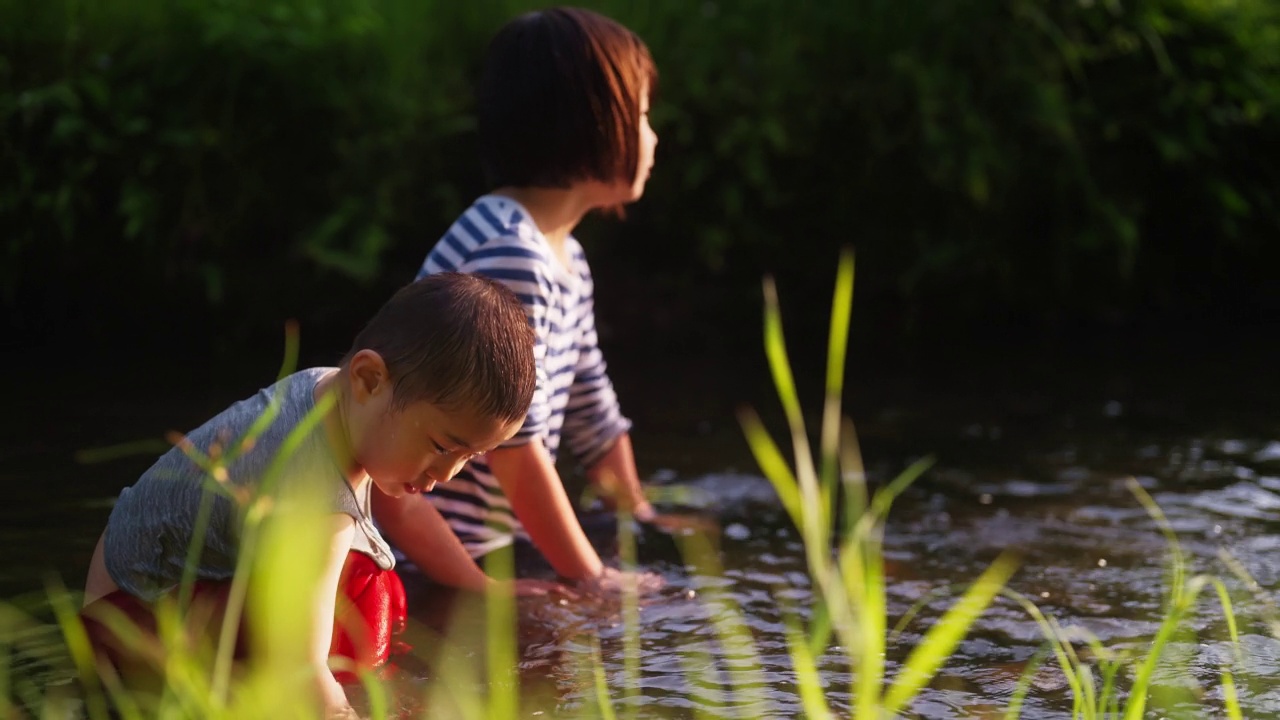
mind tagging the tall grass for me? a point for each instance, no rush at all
(849, 583)
(1095, 678)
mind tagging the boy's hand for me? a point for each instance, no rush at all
(345, 712)
(613, 581)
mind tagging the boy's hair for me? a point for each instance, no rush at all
(457, 340)
(559, 100)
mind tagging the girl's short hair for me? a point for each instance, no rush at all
(559, 100)
(456, 340)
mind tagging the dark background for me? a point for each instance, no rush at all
(179, 178)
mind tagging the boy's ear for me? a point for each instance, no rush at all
(368, 374)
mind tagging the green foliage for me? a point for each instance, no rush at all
(215, 143)
(1091, 155)
(1025, 152)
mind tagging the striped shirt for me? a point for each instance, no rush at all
(497, 238)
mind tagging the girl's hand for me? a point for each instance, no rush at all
(531, 587)
(683, 523)
(613, 582)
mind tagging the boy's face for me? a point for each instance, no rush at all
(409, 450)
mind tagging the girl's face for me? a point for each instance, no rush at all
(648, 144)
(621, 192)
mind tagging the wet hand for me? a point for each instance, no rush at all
(345, 712)
(612, 581)
(530, 587)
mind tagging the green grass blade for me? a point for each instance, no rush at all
(915, 609)
(819, 633)
(77, 640)
(379, 702)
(808, 679)
(837, 346)
(870, 610)
(1177, 562)
(289, 363)
(941, 639)
(1269, 610)
(885, 496)
(1019, 696)
(772, 464)
(775, 349)
(726, 618)
(815, 530)
(700, 663)
(604, 705)
(1224, 599)
(1176, 606)
(630, 615)
(500, 633)
(853, 478)
(1230, 698)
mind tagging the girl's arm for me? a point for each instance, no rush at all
(530, 482)
(424, 536)
(615, 475)
(334, 698)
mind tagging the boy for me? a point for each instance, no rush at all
(443, 372)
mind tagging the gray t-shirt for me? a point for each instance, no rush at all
(152, 525)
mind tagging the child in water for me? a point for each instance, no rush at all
(442, 373)
(563, 117)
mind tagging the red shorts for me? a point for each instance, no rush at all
(369, 612)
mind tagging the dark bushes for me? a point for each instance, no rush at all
(999, 158)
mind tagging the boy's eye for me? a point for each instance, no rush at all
(439, 448)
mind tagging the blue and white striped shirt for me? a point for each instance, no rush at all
(497, 238)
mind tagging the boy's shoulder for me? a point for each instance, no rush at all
(252, 430)
(289, 399)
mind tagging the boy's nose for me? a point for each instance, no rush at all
(444, 469)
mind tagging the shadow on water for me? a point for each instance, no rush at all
(1033, 451)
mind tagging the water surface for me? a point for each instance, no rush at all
(1033, 452)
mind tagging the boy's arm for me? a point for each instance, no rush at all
(424, 536)
(334, 698)
(531, 484)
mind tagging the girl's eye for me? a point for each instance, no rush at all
(439, 448)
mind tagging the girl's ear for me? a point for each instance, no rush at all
(368, 375)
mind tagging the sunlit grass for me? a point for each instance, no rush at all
(849, 584)
(1095, 676)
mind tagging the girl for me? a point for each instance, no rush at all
(563, 117)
